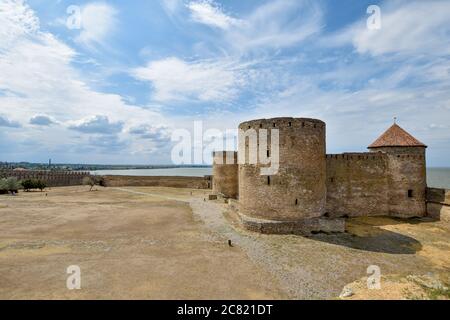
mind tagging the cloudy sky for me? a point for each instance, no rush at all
(109, 82)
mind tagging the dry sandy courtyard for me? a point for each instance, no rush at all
(162, 243)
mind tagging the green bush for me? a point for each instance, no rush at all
(9, 185)
(41, 185)
(30, 184)
(27, 185)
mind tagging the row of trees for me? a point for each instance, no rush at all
(12, 185)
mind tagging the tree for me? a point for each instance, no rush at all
(3, 186)
(89, 181)
(9, 185)
(27, 185)
(41, 185)
(30, 184)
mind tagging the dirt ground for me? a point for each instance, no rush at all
(164, 243)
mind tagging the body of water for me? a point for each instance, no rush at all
(436, 177)
(183, 172)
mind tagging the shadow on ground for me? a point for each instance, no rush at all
(368, 236)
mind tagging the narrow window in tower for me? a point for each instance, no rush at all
(410, 193)
(274, 124)
(260, 125)
(303, 124)
(331, 180)
(290, 124)
(268, 153)
(296, 201)
(268, 180)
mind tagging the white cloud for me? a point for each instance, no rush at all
(97, 124)
(272, 25)
(170, 6)
(411, 28)
(5, 122)
(175, 79)
(16, 20)
(38, 78)
(98, 21)
(209, 13)
(281, 23)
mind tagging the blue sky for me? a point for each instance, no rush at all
(115, 88)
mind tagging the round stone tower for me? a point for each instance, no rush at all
(297, 191)
(225, 174)
(407, 172)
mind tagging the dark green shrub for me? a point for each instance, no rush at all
(31, 184)
(27, 185)
(41, 185)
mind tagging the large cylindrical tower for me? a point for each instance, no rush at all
(298, 190)
(225, 174)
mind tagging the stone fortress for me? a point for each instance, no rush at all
(314, 191)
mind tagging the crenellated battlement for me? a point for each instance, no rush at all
(357, 156)
(278, 123)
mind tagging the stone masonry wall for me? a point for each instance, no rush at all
(225, 174)
(357, 184)
(407, 181)
(173, 182)
(298, 190)
(51, 178)
(438, 204)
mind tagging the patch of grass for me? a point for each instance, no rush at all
(438, 294)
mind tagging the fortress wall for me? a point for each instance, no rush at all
(173, 182)
(357, 184)
(225, 174)
(298, 189)
(438, 204)
(51, 178)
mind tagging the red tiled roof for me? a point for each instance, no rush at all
(396, 137)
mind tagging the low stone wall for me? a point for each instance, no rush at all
(51, 178)
(173, 182)
(301, 227)
(438, 204)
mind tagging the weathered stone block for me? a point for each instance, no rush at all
(438, 195)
